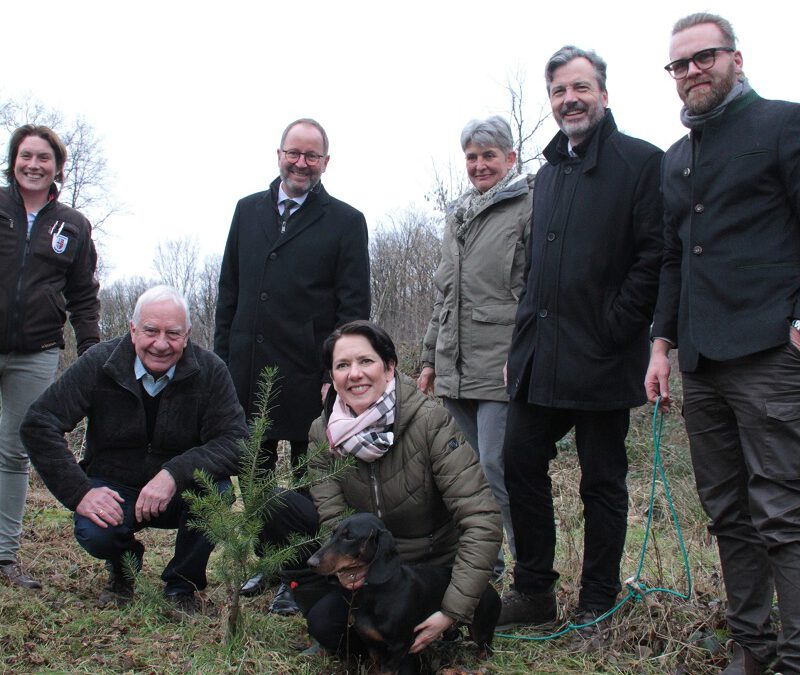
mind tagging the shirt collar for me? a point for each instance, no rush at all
(283, 196)
(152, 385)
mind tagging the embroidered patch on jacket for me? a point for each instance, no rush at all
(60, 241)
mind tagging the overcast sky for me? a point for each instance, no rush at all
(190, 98)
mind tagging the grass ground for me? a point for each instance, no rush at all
(60, 629)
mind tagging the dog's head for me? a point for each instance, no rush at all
(361, 539)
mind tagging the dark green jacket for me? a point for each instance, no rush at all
(430, 492)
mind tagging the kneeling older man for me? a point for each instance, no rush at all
(158, 407)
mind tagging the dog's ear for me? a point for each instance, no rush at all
(385, 563)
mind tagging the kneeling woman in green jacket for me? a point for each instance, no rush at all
(413, 470)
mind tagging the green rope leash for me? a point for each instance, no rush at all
(637, 591)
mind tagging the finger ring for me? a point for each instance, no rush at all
(353, 576)
(100, 512)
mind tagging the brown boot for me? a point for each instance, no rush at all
(13, 573)
(743, 663)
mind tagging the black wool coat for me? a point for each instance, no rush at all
(581, 334)
(280, 296)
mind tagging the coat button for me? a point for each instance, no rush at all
(687, 172)
(542, 313)
(697, 250)
(259, 338)
(699, 208)
(567, 170)
(264, 296)
(551, 236)
(273, 255)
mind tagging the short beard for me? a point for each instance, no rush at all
(703, 103)
(583, 128)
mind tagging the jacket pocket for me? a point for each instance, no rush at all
(502, 314)
(781, 436)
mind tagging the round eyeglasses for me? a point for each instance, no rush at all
(312, 158)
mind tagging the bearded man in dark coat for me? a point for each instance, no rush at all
(296, 266)
(580, 345)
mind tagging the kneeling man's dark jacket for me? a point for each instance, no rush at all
(198, 426)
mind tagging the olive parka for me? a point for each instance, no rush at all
(428, 489)
(478, 283)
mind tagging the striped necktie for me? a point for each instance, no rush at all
(288, 205)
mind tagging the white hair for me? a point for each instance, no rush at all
(161, 293)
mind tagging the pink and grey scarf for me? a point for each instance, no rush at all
(367, 435)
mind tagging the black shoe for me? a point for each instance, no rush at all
(527, 609)
(590, 635)
(255, 585)
(283, 603)
(118, 591)
(743, 663)
(13, 573)
(183, 602)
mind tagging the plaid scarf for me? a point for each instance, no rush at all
(367, 435)
(473, 203)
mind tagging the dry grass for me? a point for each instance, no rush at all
(61, 629)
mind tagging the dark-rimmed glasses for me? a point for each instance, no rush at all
(704, 59)
(312, 158)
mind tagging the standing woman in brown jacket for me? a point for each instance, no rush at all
(47, 269)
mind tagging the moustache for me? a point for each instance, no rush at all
(573, 106)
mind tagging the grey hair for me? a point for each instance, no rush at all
(692, 20)
(161, 293)
(569, 53)
(310, 122)
(494, 131)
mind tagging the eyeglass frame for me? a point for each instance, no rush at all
(670, 67)
(304, 155)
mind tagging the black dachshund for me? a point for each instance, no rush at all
(395, 597)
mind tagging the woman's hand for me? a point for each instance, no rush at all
(430, 630)
(425, 380)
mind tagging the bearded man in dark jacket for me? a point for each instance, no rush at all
(580, 344)
(158, 408)
(729, 300)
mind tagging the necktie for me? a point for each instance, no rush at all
(288, 205)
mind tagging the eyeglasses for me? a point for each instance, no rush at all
(704, 59)
(312, 158)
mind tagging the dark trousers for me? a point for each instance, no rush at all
(326, 605)
(743, 421)
(268, 459)
(185, 573)
(531, 435)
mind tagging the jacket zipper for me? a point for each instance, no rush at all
(374, 483)
(18, 295)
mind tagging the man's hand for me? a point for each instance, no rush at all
(656, 381)
(425, 380)
(101, 505)
(430, 630)
(155, 496)
(794, 336)
(324, 391)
